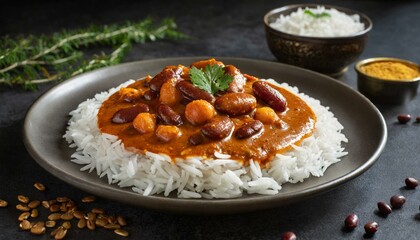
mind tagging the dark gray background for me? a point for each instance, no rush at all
(223, 28)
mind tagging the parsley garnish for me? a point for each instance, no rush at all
(212, 79)
(316, 15)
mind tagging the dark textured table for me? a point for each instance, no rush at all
(224, 28)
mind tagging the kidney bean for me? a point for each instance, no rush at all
(218, 128)
(168, 115)
(196, 139)
(351, 221)
(235, 104)
(126, 115)
(271, 96)
(397, 201)
(411, 182)
(371, 227)
(191, 92)
(249, 129)
(150, 95)
(238, 82)
(166, 74)
(288, 236)
(418, 119)
(404, 118)
(384, 208)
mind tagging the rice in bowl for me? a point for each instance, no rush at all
(198, 177)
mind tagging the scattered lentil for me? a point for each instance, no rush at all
(23, 199)
(50, 224)
(62, 199)
(67, 216)
(61, 233)
(54, 216)
(66, 225)
(34, 213)
(39, 186)
(89, 199)
(38, 228)
(101, 222)
(123, 233)
(23, 216)
(121, 220)
(25, 225)
(90, 224)
(112, 226)
(34, 204)
(81, 223)
(55, 208)
(98, 210)
(3, 203)
(23, 207)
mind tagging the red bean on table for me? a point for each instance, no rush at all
(351, 221)
(288, 236)
(397, 201)
(371, 227)
(384, 208)
(411, 182)
(404, 118)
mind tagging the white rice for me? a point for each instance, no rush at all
(196, 177)
(336, 25)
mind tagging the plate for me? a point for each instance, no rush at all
(46, 122)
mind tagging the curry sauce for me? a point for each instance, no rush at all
(293, 124)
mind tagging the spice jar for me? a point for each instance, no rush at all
(388, 80)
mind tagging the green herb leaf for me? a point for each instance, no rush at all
(212, 79)
(316, 15)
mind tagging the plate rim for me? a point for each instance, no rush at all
(178, 204)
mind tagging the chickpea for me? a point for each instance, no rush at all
(266, 115)
(166, 133)
(199, 112)
(168, 93)
(145, 122)
(203, 63)
(130, 94)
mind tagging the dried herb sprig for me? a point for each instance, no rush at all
(30, 60)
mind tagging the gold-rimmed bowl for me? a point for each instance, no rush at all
(328, 55)
(387, 90)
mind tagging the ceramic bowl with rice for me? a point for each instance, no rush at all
(323, 38)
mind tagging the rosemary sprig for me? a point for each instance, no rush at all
(31, 60)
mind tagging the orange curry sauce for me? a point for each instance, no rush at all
(297, 123)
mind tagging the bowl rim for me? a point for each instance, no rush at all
(360, 63)
(311, 5)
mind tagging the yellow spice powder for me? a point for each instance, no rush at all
(390, 70)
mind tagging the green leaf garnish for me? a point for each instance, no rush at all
(316, 15)
(212, 79)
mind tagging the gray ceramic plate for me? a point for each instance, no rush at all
(46, 121)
